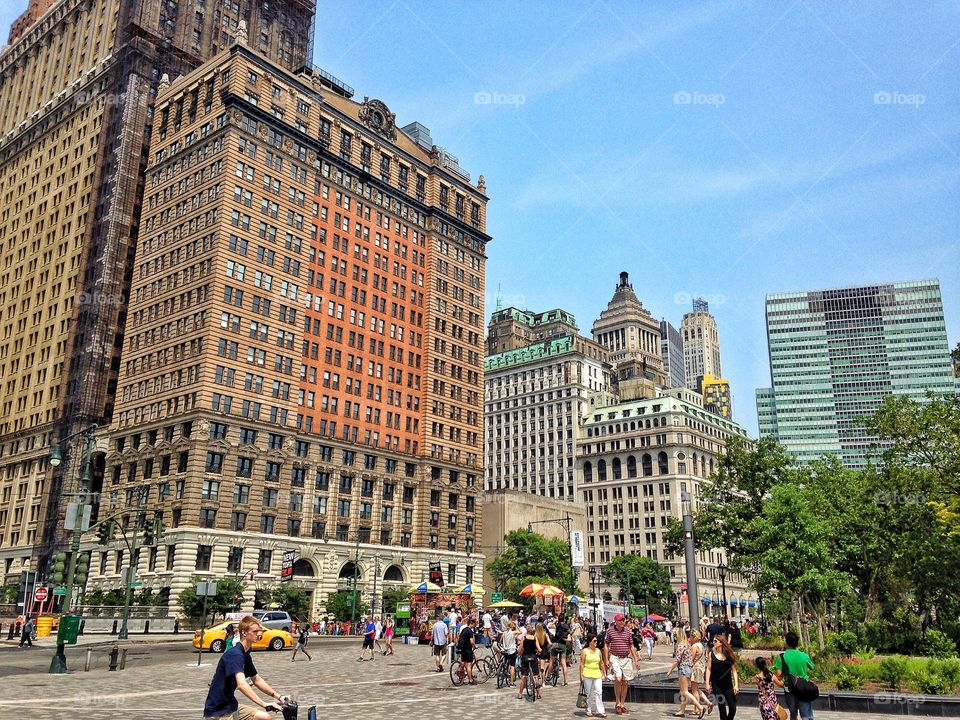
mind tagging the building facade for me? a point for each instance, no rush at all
(716, 395)
(76, 88)
(636, 461)
(534, 397)
(671, 348)
(701, 343)
(836, 355)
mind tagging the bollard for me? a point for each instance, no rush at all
(114, 630)
(86, 665)
(123, 658)
(10, 634)
(114, 654)
(146, 627)
(176, 626)
(82, 623)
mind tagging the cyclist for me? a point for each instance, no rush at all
(466, 644)
(543, 639)
(235, 666)
(530, 658)
(558, 650)
(508, 641)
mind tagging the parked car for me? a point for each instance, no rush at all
(215, 638)
(274, 619)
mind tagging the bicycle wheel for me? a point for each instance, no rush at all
(554, 675)
(487, 669)
(503, 674)
(457, 673)
(531, 685)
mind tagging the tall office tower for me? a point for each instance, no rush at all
(634, 463)
(716, 395)
(631, 334)
(303, 371)
(835, 355)
(701, 343)
(76, 90)
(766, 413)
(671, 348)
(534, 397)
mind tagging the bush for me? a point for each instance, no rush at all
(930, 684)
(948, 669)
(843, 643)
(936, 644)
(847, 679)
(893, 670)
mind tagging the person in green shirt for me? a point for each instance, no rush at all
(799, 664)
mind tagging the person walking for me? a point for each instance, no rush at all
(302, 637)
(441, 636)
(508, 645)
(576, 636)
(767, 684)
(722, 677)
(378, 636)
(699, 675)
(466, 644)
(794, 662)
(558, 648)
(488, 628)
(26, 633)
(592, 669)
(683, 664)
(649, 638)
(388, 636)
(231, 639)
(369, 633)
(235, 666)
(623, 660)
(530, 658)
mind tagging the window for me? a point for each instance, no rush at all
(266, 523)
(235, 560)
(208, 518)
(241, 494)
(204, 554)
(264, 560)
(244, 467)
(210, 489)
(270, 497)
(238, 521)
(214, 462)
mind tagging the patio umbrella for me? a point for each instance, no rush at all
(655, 618)
(473, 589)
(426, 587)
(505, 604)
(532, 589)
(549, 591)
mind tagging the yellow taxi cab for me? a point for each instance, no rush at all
(215, 638)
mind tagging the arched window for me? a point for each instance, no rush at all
(711, 467)
(601, 470)
(662, 463)
(617, 470)
(631, 466)
(347, 571)
(587, 472)
(303, 568)
(393, 574)
(647, 465)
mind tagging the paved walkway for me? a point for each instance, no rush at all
(401, 686)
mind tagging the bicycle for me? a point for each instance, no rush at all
(503, 673)
(458, 673)
(531, 688)
(552, 677)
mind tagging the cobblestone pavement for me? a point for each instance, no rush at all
(391, 687)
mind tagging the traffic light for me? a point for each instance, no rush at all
(105, 532)
(83, 566)
(148, 534)
(158, 528)
(58, 568)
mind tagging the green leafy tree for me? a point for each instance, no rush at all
(649, 581)
(338, 605)
(292, 599)
(529, 558)
(9, 592)
(391, 598)
(228, 598)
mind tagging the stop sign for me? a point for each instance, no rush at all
(41, 594)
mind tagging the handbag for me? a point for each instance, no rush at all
(801, 688)
(582, 697)
(781, 712)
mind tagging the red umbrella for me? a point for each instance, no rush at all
(655, 618)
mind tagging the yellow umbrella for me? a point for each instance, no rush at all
(426, 587)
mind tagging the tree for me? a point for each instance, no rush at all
(338, 605)
(391, 598)
(530, 557)
(292, 599)
(228, 598)
(649, 581)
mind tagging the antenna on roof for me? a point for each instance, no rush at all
(498, 299)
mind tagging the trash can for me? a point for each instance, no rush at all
(44, 626)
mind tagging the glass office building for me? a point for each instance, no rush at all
(836, 354)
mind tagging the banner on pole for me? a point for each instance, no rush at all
(436, 574)
(576, 548)
(286, 569)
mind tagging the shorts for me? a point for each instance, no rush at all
(440, 650)
(528, 663)
(510, 659)
(622, 668)
(244, 712)
(686, 670)
(367, 643)
(558, 648)
(466, 654)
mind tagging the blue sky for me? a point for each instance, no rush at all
(721, 149)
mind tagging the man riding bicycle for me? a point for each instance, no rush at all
(558, 649)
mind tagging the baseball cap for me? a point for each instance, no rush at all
(618, 616)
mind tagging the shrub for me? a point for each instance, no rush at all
(844, 643)
(846, 679)
(937, 644)
(948, 669)
(930, 684)
(893, 670)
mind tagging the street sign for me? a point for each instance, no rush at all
(59, 591)
(496, 597)
(206, 588)
(41, 594)
(70, 519)
(136, 583)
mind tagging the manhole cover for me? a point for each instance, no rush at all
(402, 683)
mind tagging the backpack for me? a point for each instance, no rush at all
(801, 688)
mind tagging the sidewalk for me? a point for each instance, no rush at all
(95, 639)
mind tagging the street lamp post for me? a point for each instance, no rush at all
(722, 569)
(353, 593)
(690, 554)
(566, 523)
(59, 662)
(373, 595)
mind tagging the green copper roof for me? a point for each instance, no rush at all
(531, 353)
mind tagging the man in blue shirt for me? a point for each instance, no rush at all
(369, 633)
(232, 671)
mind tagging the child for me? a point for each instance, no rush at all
(767, 683)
